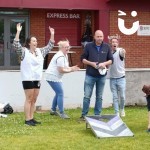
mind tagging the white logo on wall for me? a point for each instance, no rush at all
(121, 23)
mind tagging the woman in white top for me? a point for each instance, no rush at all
(32, 59)
(58, 66)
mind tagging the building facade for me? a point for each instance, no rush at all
(76, 21)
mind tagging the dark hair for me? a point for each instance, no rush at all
(27, 42)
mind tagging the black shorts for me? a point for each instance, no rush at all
(31, 84)
(148, 102)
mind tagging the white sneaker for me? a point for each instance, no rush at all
(64, 116)
(122, 113)
(117, 114)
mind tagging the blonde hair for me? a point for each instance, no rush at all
(62, 42)
(114, 37)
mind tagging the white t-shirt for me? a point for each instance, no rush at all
(32, 66)
(58, 60)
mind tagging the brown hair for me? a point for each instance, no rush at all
(27, 42)
(114, 37)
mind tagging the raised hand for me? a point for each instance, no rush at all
(19, 27)
(52, 31)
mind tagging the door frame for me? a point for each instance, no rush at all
(7, 44)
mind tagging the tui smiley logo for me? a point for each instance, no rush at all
(121, 23)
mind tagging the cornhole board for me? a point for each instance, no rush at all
(107, 126)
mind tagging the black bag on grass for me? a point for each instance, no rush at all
(7, 109)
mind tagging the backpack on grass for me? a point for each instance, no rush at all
(6, 109)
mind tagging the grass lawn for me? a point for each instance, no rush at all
(57, 134)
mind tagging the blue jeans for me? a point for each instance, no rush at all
(118, 88)
(89, 83)
(148, 102)
(59, 96)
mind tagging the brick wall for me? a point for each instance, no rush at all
(37, 28)
(37, 25)
(137, 47)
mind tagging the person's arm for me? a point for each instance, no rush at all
(90, 63)
(68, 69)
(52, 31)
(60, 62)
(122, 52)
(109, 60)
(84, 58)
(103, 65)
(19, 28)
(45, 50)
(16, 44)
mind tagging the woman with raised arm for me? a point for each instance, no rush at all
(32, 59)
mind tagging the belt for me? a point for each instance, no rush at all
(118, 78)
(121, 77)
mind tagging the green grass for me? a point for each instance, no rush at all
(58, 134)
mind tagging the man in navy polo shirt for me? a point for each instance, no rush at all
(97, 56)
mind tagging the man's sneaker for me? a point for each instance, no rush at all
(30, 123)
(82, 118)
(35, 122)
(64, 116)
(122, 113)
(54, 113)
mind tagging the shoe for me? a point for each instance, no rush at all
(35, 122)
(30, 123)
(122, 113)
(82, 118)
(148, 130)
(54, 113)
(64, 116)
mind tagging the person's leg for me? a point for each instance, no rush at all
(122, 89)
(148, 107)
(88, 89)
(29, 94)
(149, 120)
(100, 83)
(58, 88)
(54, 102)
(114, 90)
(35, 95)
(59, 98)
(31, 89)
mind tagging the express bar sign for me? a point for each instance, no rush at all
(63, 15)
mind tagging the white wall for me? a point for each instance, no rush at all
(11, 91)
